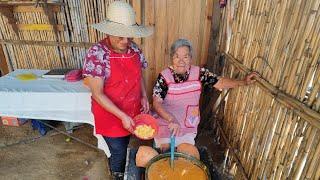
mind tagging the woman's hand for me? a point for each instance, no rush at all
(250, 78)
(174, 128)
(127, 123)
(226, 83)
(145, 105)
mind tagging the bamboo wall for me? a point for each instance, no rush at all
(273, 126)
(172, 19)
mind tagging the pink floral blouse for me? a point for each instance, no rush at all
(97, 62)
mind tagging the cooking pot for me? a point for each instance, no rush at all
(189, 158)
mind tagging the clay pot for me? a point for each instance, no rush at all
(189, 149)
(144, 154)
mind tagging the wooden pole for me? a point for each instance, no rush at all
(3, 63)
(232, 151)
(310, 115)
(47, 43)
(25, 3)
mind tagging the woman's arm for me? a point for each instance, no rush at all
(144, 98)
(173, 125)
(96, 85)
(226, 83)
(157, 105)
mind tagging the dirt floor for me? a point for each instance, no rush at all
(50, 156)
(24, 154)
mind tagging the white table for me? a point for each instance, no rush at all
(47, 99)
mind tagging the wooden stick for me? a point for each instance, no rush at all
(317, 176)
(3, 63)
(47, 43)
(301, 162)
(232, 151)
(25, 3)
(302, 110)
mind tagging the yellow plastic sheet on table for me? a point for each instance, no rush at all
(26, 76)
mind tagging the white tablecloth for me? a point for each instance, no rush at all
(47, 99)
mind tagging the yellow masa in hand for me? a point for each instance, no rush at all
(144, 131)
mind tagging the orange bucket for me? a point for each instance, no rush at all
(146, 126)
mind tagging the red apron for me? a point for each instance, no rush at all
(123, 88)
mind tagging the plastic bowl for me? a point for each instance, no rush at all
(146, 119)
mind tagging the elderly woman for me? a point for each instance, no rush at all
(176, 97)
(177, 92)
(113, 69)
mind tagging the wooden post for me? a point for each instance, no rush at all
(137, 6)
(3, 63)
(7, 11)
(49, 12)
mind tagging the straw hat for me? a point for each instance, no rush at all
(121, 22)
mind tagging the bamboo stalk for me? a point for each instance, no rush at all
(290, 15)
(312, 155)
(262, 150)
(288, 140)
(281, 145)
(299, 47)
(302, 110)
(257, 127)
(317, 176)
(291, 41)
(294, 151)
(302, 160)
(276, 141)
(232, 151)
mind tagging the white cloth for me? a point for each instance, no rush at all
(47, 99)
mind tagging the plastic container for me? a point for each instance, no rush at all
(12, 121)
(146, 119)
(39, 126)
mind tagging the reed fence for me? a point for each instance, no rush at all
(273, 126)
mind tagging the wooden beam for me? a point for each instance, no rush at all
(3, 63)
(8, 13)
(137, 6)
(207, 7)
(50, 14)
(20, 9)
(148, 45)
(47, 43)
(305, 112)
(28, 3)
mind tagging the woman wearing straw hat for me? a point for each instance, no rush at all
(113, 68)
